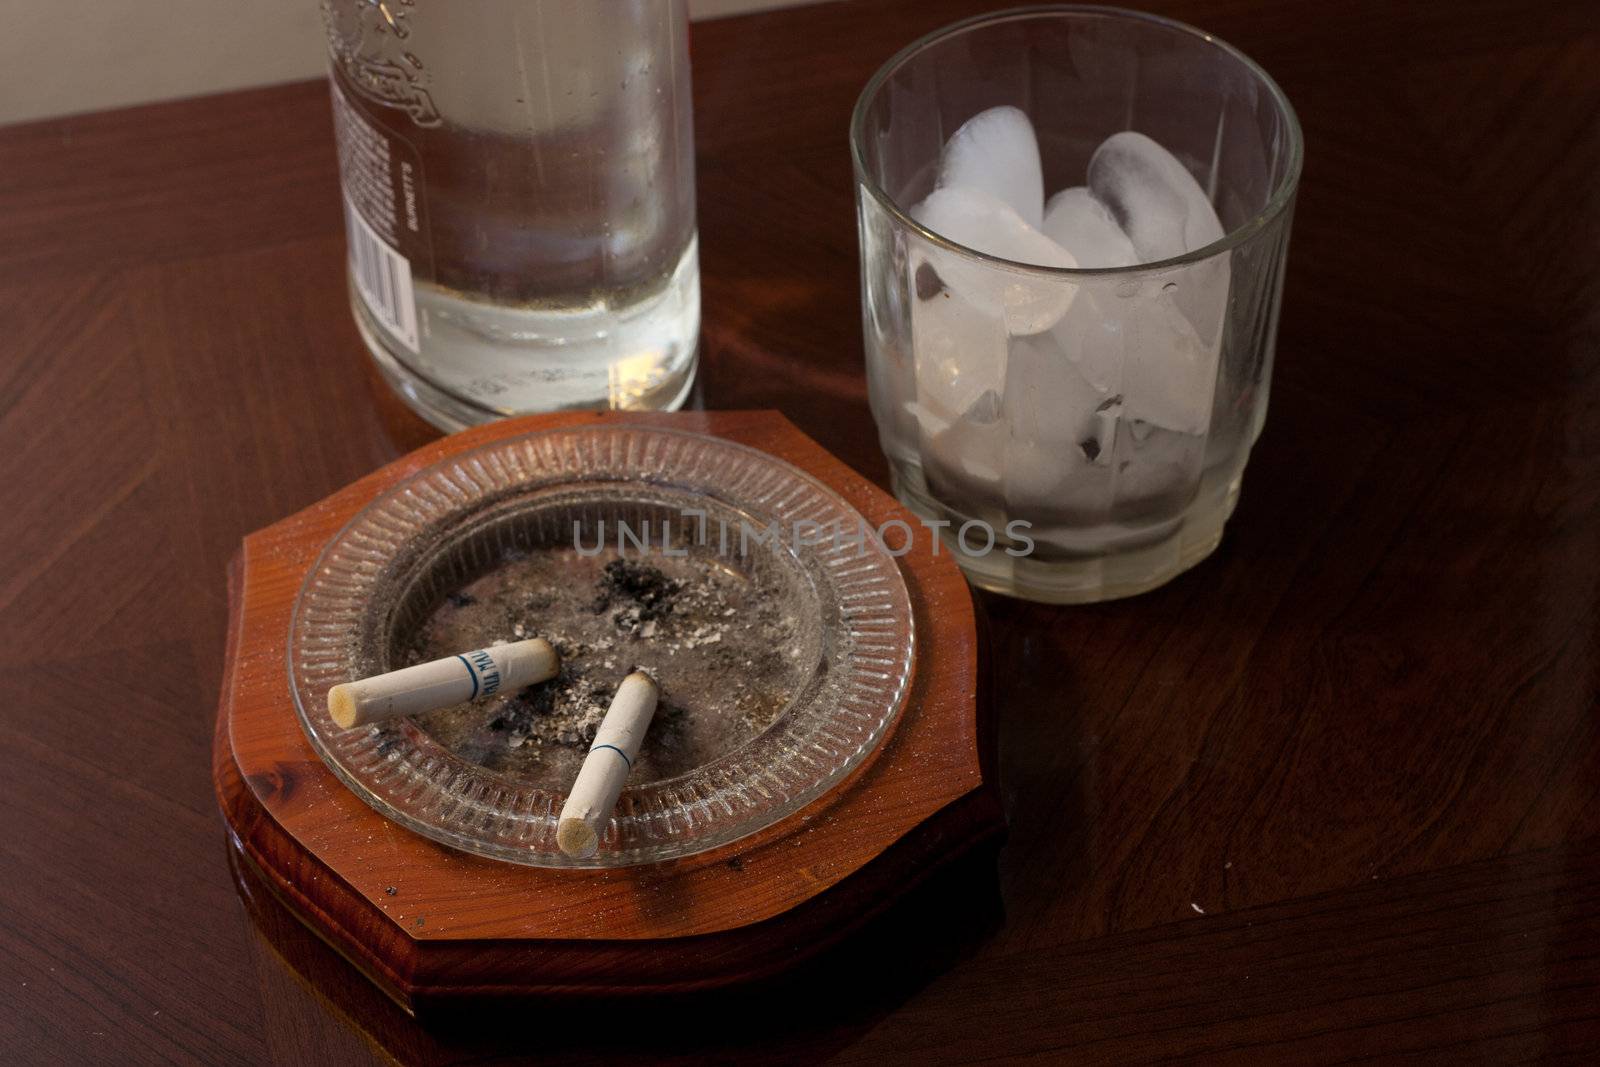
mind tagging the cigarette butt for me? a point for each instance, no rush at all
(443, 682)
(605, 770)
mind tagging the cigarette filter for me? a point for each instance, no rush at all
(605, 771)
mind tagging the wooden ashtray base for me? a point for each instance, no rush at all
(430, 925)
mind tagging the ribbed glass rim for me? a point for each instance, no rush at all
(1276, 204)
(824, 733)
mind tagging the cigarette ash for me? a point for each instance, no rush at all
(646, 596)
(726, 655)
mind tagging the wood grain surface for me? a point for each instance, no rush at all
(1334, 793)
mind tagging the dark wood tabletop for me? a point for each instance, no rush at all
(1334, 793)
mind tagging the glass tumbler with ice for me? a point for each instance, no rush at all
(1073, 231)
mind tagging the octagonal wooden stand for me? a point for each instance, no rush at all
(433, 926)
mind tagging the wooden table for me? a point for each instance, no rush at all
(1333, 793)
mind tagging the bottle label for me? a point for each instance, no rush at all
(380, 177)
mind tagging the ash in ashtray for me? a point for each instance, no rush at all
(727, 657)
(643, 591)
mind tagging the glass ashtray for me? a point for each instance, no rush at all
(779, 628)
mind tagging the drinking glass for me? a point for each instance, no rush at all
(1073, 434)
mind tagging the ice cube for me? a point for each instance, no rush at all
(1200, 293)
(1056, 435)
(1026, 302)
(974, 452)
(961, 357)
(978, 220)
(965, 467)
(1138, 345)
(1168, 373)
(1044, 486)
(1093, 338)
(995, 152)
(959, 349)
(927, 423)
(1165, 213)
(1047, 399)
(1153, 197)
(1157, 470)
(1082, 225)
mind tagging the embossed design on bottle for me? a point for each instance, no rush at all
(365, 41)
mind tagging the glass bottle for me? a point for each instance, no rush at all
(518, 184)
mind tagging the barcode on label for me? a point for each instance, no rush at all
(383, 277)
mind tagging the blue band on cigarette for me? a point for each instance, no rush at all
(618, 751)
(471, 673)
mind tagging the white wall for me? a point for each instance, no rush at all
(63, 56)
